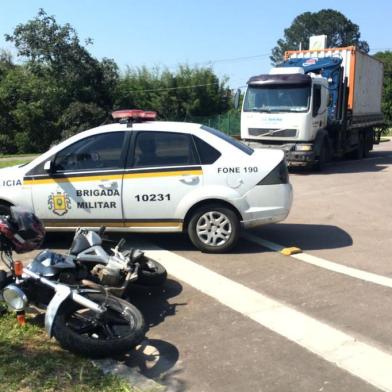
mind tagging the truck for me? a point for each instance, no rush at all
(316, 105)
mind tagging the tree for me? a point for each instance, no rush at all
(59, 90)
(386, 58)
(340, 32)
(174, 95)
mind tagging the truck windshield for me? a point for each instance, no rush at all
(277, 98)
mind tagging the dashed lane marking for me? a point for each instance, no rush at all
(341, 349)
(322, 263)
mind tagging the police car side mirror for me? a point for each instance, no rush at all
(48, 166)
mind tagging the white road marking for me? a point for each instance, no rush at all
(323, 263)
(345, 351)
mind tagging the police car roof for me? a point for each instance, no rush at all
(169, 126)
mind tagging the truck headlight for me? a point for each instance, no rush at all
(14, 297)
(303, 147)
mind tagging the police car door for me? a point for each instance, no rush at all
(163, 168)
(83, 187)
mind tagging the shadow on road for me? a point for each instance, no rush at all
(58, 240)
(156, 359)
(153, 301)
(376, 162)
(305, 236)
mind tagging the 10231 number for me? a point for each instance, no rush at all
(152, 197)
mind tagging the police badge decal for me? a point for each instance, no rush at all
(59, 203)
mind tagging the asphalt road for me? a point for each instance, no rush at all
(255, 320)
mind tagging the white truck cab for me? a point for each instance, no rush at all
(283, 106)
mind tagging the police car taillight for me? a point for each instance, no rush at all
(134, 115)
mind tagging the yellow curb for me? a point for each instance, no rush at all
(290, 251)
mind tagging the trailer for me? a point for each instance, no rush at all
(317, 105)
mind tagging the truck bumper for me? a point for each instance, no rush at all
(300, 158)
(293, 157)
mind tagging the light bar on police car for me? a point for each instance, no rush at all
(134, 114)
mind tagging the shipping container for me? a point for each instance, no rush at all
(364, 74)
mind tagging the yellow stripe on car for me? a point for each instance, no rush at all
(38, 181)
(163, 174)
(81, 223)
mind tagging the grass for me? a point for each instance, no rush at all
(31, 362)
(17, 155)
(13, 162)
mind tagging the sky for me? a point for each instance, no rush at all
(235, 37)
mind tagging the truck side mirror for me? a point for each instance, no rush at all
(237, 97)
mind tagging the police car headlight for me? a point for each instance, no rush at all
(14, 297)
(303, 147)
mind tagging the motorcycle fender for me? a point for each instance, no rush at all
(62, 293)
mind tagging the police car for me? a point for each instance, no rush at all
(143, 175)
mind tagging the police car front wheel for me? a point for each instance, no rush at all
(214, 229)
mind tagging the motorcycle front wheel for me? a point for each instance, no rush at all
(115, 332)
(151, 273)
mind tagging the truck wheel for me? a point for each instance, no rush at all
(366, 150)
(368, 144)
(358, 153)
(324, 157)
(214, 228)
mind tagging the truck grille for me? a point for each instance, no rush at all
(274, 132)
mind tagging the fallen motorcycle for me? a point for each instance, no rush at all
(83, 317)
(118, 268)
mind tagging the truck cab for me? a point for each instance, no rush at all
(286, 108)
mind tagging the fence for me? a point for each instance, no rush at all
(228, 122)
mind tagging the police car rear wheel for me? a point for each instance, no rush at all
(214, 229)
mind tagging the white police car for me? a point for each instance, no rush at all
(150, 176)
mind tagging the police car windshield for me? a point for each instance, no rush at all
(234, 142)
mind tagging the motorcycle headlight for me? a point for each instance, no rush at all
(14, 297)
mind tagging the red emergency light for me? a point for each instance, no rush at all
(134, 114)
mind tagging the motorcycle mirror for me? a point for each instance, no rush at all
(121, 243)
(101, 231)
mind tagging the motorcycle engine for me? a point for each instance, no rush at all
(107, 276)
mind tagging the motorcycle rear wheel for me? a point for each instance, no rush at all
(113, 333)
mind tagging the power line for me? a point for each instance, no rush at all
(174, 88)
(235, 59)
(225, 60)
